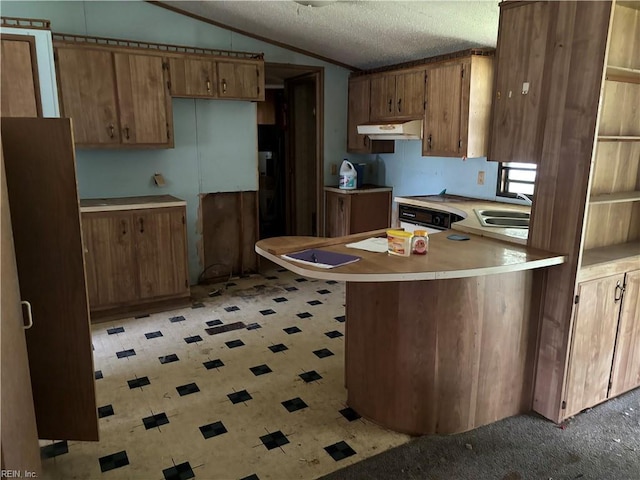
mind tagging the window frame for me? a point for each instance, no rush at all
(502, 185)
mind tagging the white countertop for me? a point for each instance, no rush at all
(470, 224)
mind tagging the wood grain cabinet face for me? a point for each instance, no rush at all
(87, 88)
(398, 95)
(134, 256)
(20, 88)
(519, 93)
(442, 136)
(192, 78)
(359, 104)
(115, 99)
(241, 80)
(349, 213)
(605, 348)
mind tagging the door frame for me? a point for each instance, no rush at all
(291, 72)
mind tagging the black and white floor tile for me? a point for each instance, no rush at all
(248, 383)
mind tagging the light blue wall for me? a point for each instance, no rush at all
(412, 174)
(215, 141)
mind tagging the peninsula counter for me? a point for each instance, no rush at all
(440, 343)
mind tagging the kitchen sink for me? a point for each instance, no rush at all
(503, 218)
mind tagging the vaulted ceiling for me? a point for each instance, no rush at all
(358, 34)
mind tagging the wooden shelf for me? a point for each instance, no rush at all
(610, 260)
(618, 197)
(618, 138)
(629, 3)
(623, 74)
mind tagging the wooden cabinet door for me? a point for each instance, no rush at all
(338, 214)
(192, 78)
(383, 97)
(410, 92)
(370, 211)
(87, 90)
(625, 374)
(19, 441)
(145, 108)
(110, 261)
(592, 344)
(442, 128)
(240, 80)
(161, 246)
(518, 94)
(20, 88)
(358, 114)
(40, 166)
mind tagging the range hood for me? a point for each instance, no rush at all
(407, 130)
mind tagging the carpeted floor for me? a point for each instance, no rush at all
(599, 444)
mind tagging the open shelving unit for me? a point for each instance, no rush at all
(611, 241)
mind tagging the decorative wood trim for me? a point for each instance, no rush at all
(156, 47)
(251, 35)
(31, 23)
(618, 138)
(31, 40)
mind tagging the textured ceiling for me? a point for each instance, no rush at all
(360, 33)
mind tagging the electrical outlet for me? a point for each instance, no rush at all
(334, 169)
(481, 177)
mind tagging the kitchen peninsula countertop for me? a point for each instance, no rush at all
(129, 203)
(446, 258)
(465, 206)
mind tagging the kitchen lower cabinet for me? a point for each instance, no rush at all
(356, 211)
(134, 258)
(605, 347)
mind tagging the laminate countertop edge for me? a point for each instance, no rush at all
(514, 258)
(129, 203)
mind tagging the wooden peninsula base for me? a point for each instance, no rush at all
(438, 343)
(440, 356)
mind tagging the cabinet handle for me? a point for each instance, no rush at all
(126, 132)
(124, 227)
(429, 142)
(399, 105)
(208, 86)
(341, 205)
(619, 292)
(390, 103)
(498, 95)
(111, 130)
(365, 141)
(224, 85)
(29, 314)
(141, 225)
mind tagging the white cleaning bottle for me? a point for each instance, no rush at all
(348, 176)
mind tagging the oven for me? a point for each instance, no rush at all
(413, 217)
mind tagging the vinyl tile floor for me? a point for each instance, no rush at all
(248, 383)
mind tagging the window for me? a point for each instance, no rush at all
(514, 178)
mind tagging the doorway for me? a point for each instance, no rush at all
(290, 139)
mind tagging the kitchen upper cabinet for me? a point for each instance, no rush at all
(192, 77)
(458, 99)
(397, 95)
(20, 88)
(115, 99)
(358, 114)
(240, 79)
(135, 257)
(519, 92)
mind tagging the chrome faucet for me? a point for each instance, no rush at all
(525, 198)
